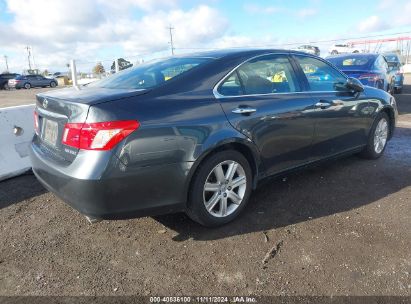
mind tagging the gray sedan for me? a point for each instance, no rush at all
(31, 81)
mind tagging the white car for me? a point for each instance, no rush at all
(343, 49)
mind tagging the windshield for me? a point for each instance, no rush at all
(392, 58)
(149, 75)
(353, 62)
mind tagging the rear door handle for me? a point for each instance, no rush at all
(245, 110)
(322, 105)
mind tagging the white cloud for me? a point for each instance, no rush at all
(372, 24)
(59, 30)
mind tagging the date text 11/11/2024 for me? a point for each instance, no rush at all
(203, 299)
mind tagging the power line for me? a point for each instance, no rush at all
(295, 43)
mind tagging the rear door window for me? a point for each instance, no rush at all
(267, 74)
(320, 75)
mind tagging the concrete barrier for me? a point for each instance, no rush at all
(406, 68)
(16, 132)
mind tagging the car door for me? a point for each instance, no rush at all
(262, 99)
(41, 81)
(340, 123)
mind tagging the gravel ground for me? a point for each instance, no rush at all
(343, 228)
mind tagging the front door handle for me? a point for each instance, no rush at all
(245, 110)
(322, 105)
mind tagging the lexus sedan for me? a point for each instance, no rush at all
(370, 69)
(196, 133)
(31, 81)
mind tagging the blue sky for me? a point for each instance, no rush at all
(98, 30)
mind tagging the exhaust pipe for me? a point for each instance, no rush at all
(93, 220)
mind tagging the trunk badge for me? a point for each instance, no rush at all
(45, 103)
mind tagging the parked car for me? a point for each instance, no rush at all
(309, 49)
(343, 49)
(31, 81)
(370, 69)
(4, 79)
(136, 144)
(395, 66)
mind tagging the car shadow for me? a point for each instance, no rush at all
(18, 189)
(404, 100)
(320, 191)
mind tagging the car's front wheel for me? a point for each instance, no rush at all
(378, 137)
(53, 84)
(220, 189)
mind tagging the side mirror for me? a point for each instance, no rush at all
(354, 84)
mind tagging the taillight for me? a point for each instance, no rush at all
(99, 135)
(36, 122)
(373, 77)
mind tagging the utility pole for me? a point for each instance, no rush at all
(28, 55)
(170, 28)
(7, 64)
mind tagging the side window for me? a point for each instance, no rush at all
(268, 74)
(320, 75)
(263, 75)
(231, 86)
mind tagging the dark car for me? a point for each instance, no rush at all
(395, 65)
(31, 81)
(371, 69)
(197, 133)
(4, 80)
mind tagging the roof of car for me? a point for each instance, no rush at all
(216, 54)
(353, 55)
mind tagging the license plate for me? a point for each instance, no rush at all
(50, 132)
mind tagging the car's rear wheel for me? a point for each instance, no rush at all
(53, 84)
(27, 86)
(6, 86)
(378, 137)
(392, 87)
(220, 189)
(398, 90)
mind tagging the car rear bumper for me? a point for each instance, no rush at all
(116, 191)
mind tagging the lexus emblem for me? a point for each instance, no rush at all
(45, 103)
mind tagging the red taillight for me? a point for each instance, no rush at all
(373, 77)
(36, 122)
(99, 135)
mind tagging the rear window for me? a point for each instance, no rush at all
(357, 62)
(151, 74)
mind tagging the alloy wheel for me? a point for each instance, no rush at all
(380, 135)
(224, 188)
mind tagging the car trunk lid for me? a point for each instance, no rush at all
(56, 108)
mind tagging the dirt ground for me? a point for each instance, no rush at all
(339, 229)
(10, 98)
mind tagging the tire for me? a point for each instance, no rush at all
(398, 90)
(371, 151)
(53, 84)
(391, 88)
(6, 86)
(355, 52)
(27, 86)
(334, 52)
(218, 193)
